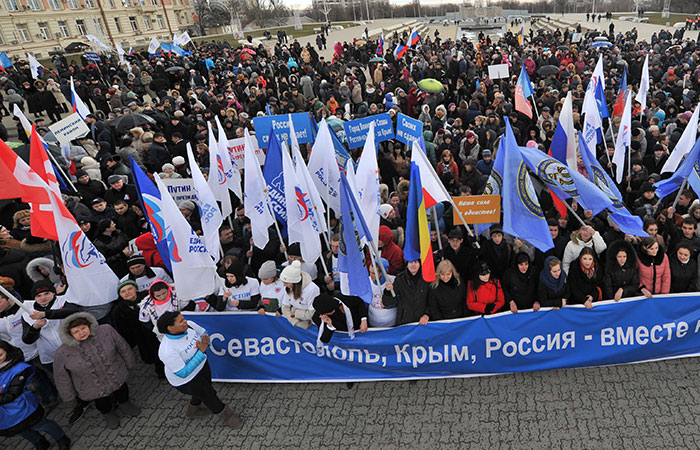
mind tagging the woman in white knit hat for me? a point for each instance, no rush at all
(299, 295)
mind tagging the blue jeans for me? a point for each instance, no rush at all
(47, 426)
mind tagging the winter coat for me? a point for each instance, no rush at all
(158, 155)
(581, 286)
(625, 277)
(45, 263)
(520, 287)
(411, 297)
(549, 298)
(92, 168)
(391, 252)
(447, 300)
(19, 408)
(654, 273)
(487, 293)
(125, 315)
(147, 247)
(498, 257)
(575, 245)
(683, 276)
(93, 368)
(111, 247)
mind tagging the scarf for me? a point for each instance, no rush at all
(546, 278)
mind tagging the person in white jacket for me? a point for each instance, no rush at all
(586, 236)
(299, 295)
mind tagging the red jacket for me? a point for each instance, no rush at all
(147, 245)
(486, 293)
(391, 252)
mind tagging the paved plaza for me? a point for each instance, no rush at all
(640, 406)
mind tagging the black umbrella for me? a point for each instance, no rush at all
(355, 64)
(548, 70)
(174, 68)
(76, 47)
(128, 121)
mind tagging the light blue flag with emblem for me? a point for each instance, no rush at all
(272, 172)
(565, 183)
(688, 169)
(628, 223)
(494, 185)
(522, 213)
(354, 279)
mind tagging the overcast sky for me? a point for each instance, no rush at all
(307, 3)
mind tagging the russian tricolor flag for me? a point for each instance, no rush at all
(400, 51)
(414, 38)
(380, 45)
(131, 51)
(564, 140)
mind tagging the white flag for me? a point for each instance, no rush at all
(153, 45)
(217, 175)
(644, 85)
(78, 105)
(428, 177)
(254, 201)
(367, 180)
(185, 38)
(592, 122)
(176, 39)
(121, 53)
(305, 179)
(34, 66)
(194, 271)
(209, 212)
(300, 212)
(95, 40)
(323, 168)
(684, 144)
(598, 71)
(624, 139)
(233, 174)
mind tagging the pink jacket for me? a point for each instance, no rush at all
(655, 277)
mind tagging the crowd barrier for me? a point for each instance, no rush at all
(248, 347)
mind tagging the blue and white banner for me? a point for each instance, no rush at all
(280, 123)
(93, 57)
(408, 129)
(247, 347)
(356, 130)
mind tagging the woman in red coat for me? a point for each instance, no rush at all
(485, 295)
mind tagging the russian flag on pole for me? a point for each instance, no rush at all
(78, 105)
(619, 107)
(413, 38)
(563, 146)
(418, 246)
(400, 50)
(380, 45)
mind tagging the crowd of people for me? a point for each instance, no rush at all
(85, 357)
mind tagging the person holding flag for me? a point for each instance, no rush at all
(380, 46)
(523, 90)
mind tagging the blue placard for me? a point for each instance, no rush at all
(356, 130)
(408, 129)
(92, 57)
(280, 123)
(254, 348)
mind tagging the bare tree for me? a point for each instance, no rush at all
(209, 14)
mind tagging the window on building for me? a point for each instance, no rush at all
(80, 23)
(63, 28)
(177, 17)
(159, 20)
(34, 5)
(111, 4)
(133, 23)
(12, 5)
(89, 4)
(98, 26)
(154, 2)
(73, 4)
(126, 3)
(55, 4)
(147, 22)
(117, 24)
(2, 39)
(24, 33)
(44, 31)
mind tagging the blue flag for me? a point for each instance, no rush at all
(524, 81)
(600, 99)
(618, 213)
(522, 213)
(494, 185)
(59, 178)
(272, 172)
(354, 279)
(153, 211)
(5, 61)
(688, 169)
(563, 182)
(341, 153)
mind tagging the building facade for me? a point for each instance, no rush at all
(42, 26)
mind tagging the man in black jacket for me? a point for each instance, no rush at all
(158, 153)
(336, 313)
(462, 256)
(411, 295)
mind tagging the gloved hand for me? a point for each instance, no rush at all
(489, 308)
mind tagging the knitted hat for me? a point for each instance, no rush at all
(178, 160)
(167, 166)
(267, 270)
(135, 259)
(42, 286)
(127, 283)
(19, 215)
(385, 210)
(294, 249)
(291, 273)
(325, 303)
(79, 173)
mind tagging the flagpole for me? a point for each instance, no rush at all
(437, 228)
(571, 210)
(24, 307)
(323, 264)
(629, 165)
(678, 196)
(537, 114)
(374, 264)
(373, 248)
(63, 174)
(466, 225)
(274, 220)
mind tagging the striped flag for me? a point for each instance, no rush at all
(564, 141)
(78, 105)
(400, 50)
(380, 45)
(418, 246)
(413, 38)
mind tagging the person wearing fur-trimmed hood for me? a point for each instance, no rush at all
(93, 364)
